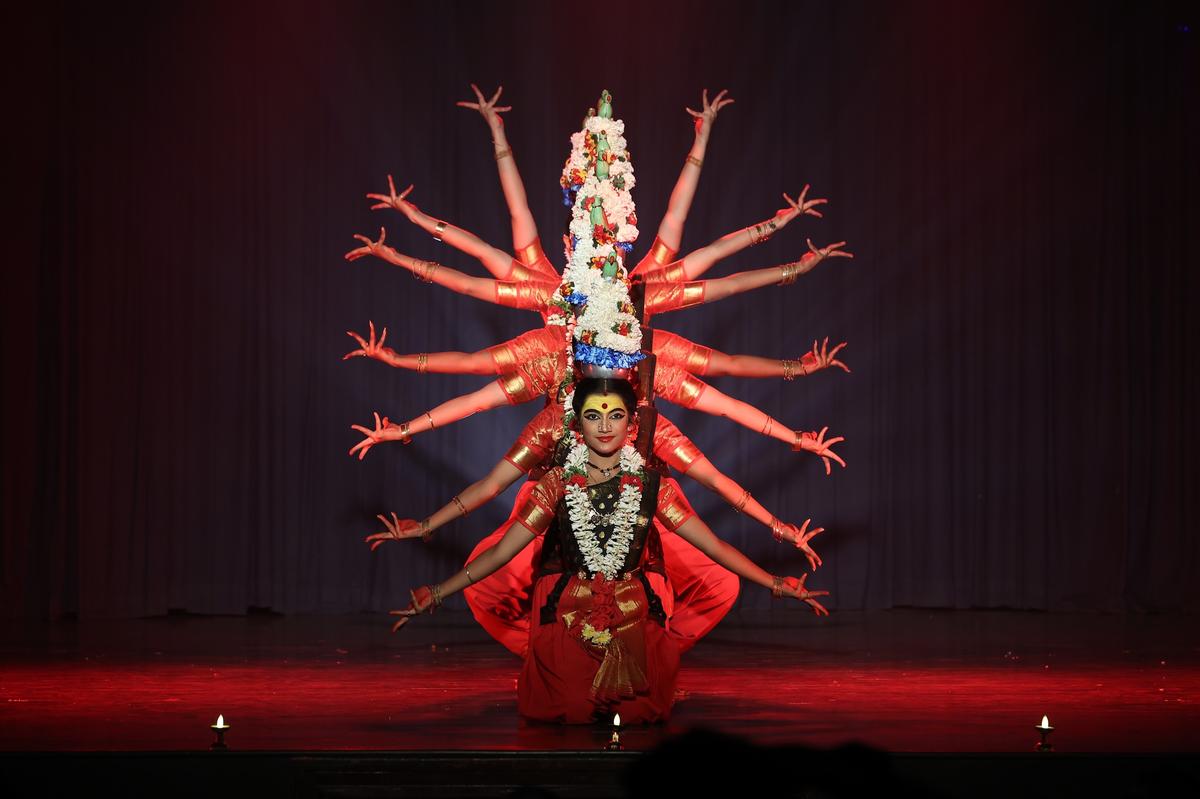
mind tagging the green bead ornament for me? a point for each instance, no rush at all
(597, 217)
(605, 105)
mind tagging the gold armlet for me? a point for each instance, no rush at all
(467, 569)
(461, 508)
(429, 416)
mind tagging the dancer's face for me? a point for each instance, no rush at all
(604, 421)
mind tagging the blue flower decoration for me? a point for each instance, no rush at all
(625, 247)
(575, 298)
(603, 356)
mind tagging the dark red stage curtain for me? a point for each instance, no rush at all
(1016, 180)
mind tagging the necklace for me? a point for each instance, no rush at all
(605, 470)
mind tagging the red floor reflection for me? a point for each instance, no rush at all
(909, 681)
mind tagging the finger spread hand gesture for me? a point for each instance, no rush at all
(817, 444)
(487, 108)
(397, 530)
(392, 199)
(820, 357)
(794, 587)
(371, 437)
(802, 536)
(708, 113)
(802, 205)
(368, 349)
(423, 601)
(369, 247)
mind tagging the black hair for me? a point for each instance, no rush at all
(603, 385)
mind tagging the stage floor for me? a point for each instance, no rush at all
(901, 681)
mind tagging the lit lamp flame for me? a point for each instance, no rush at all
(219, 728)
(1044, 729)
(614, 745)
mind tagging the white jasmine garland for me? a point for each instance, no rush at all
(603, 560)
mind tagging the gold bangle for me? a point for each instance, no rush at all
(429, 416)
(423, 270)
(467, 569)
(694, 161)
(767, 427)
(462, 508)
(789, 369)
(777, 529)
(438, 230)
(741, 503)
(426, 533)
(436, 591)
(505, 153)
(776, 586)
(761, 232)
(405, 438)
(422, 363)
(788, 273)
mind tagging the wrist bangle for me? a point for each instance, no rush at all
(788, 273)
(789, 369)
(426, 533)
(436, 590)
(462, 509)
(502, 154)
(429, 416)
(438, 230)
(741, 503)
(423, 270)
(776, 586)
(422, 362)
(694, 161)
(467, 569)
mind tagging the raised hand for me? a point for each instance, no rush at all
(369, 247)
(801, 206)
(384, 431)
(370, 349)
(487, 108)
(393, 200)
(818, 254)
(821, 358)
(397, 530)
(817, 444)
(794, 588)
(424, 599)
(800, 536)
(708, 113)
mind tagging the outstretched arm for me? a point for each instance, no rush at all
(706, 474)
(460, 363)
(663, 296)
(697, 262)
(524, 229)
(670, 230)
(479, 493)
(480, 288)
(516, 538)
(487, 398)
(496, 261)
(698, 534)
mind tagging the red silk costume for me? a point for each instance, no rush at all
(534, 345)
(566, 678)
(699, 593)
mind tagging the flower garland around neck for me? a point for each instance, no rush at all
(603, 560)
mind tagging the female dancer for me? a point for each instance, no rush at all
(598, 644)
